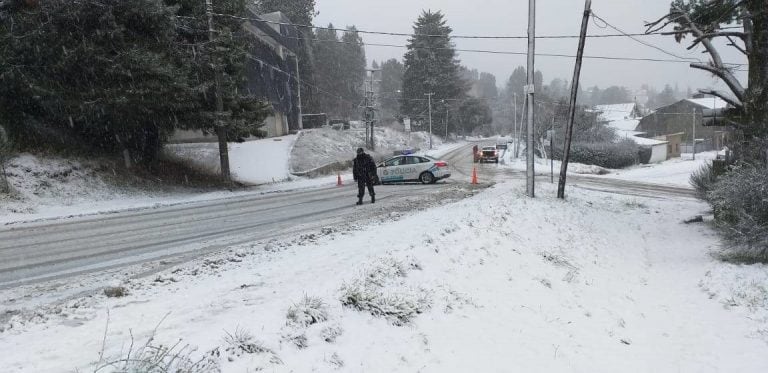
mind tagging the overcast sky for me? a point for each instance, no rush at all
(554, 17)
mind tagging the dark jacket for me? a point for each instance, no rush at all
(364, 168)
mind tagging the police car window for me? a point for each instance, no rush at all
(424, 160)
(394, 161)
(412, 160)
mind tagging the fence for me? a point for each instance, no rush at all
(701, 146)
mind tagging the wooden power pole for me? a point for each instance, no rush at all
(529, 91)
(572, 103)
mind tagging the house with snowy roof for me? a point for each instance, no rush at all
(624, 119)
(685, 118)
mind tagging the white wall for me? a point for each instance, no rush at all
(658, 153)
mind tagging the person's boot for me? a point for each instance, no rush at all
(359, 201)
(373, 199)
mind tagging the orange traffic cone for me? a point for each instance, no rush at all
(338, 180)
(474, 175)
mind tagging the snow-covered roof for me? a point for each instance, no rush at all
(709, 102)
(635, 135)
(624, 124)
(616, 111)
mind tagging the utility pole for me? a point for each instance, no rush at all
(552, 152)
(514, 120)
(298, 90)
(221, 130)
(430, 118)
(694, 134)
(370, 111)
(529, 171)
(446, 122)
(572, 104)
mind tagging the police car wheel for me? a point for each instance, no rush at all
(426, 178)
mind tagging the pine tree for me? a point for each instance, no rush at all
(431, 66)
(391, 87)
(354, 64)
(103, 75)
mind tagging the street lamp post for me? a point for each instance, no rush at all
(430, 118)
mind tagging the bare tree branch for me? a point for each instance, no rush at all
(712, 35)
(723, 73)
(740, 49)
(723, 96)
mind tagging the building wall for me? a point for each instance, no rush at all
(276, 125)
(678, 118)
(674, 142)
(658, 153)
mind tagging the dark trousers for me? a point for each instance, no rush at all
(361, 184)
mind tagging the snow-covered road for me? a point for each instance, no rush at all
(35, 252)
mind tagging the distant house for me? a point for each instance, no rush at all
(271, 68)
(270, 72)
(624, 119)
(681, 117)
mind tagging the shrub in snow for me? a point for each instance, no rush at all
(330, 333)
(115, 291)
(380, 291)
(399, 307)
(609, 155)
(308, 311)
(163, 359)
(740, 203)
(703, 180)
(242, 342)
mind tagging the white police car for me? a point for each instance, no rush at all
(412, 168)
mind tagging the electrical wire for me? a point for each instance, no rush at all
(386, 33)
(687, 59)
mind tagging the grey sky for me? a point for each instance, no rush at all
(554, 17)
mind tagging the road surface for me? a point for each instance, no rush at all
(35, 252)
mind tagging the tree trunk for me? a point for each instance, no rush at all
(756, 103)
(221, 132)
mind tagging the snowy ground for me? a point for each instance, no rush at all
(676, 171)
(495, 282)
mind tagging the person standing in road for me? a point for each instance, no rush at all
(364, 172)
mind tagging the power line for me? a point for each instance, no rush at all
(387, 33)
(485, 51)
(643, 42)
(291, 76)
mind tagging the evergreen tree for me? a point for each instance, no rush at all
(301, 12)
(328, 70)
(517, 82)
(105, 74)
(340, 71)
(431, 66)
(486, 86)
(390, 88)
(353, 71)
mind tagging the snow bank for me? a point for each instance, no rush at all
(544, 167)
(496, 282)
(52, 186)
(676, 171)
(252, 162)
